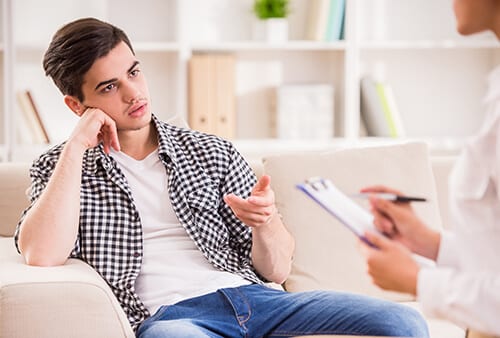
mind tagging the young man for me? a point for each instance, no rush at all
(170, 216)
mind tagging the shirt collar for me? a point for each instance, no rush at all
(166, 149)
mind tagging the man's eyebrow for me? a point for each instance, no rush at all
(133, 66)
(106, 82)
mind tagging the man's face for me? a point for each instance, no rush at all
(116, 85)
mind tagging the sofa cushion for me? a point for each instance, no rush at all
(14, 180)
(327, 255)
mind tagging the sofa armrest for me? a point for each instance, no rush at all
(14, 180)
(64, 301)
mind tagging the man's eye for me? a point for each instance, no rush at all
(135, 72)
(108, 88)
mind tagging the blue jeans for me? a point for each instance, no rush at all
(259, 311)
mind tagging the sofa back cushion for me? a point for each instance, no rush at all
(327, 254)
(14, 180)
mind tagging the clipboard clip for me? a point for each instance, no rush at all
(317, 183)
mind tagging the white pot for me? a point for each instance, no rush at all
(271, 30)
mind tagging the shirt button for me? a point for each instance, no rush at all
(136, 254)
(128, 286)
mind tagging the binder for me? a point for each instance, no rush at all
(339, 205)
(212, 94)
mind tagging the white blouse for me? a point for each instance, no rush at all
(465, 287)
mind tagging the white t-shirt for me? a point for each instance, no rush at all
(173, 268)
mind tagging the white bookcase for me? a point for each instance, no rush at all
(438, 77)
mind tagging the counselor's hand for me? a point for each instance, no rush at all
(398, 221)
(390, 264)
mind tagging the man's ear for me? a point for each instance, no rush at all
(74, 104)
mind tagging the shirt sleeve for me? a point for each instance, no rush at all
(470, 300)
(40, 173)
(239, 180)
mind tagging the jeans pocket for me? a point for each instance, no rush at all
(240, 304)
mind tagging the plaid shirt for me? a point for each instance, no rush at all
(201, 169)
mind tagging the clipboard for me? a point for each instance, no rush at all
(342, 207)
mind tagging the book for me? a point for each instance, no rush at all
(379, 87)
(317, 19)
(31, 118)
(225, 101)
(372, 111)
(200, 97)
(338, 204)
(335, 24)
(38, 117)
(211, 94)
(379, 110)
(394, 113)
(304, 111)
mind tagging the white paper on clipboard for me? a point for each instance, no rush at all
(348, 212)
(339, 205)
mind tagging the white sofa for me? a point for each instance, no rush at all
(73, 301)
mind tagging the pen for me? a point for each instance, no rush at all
(391, 197)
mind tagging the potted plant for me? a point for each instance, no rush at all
(271, 24)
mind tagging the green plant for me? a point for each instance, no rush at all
(265, 9)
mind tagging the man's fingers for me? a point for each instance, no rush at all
(110, 134)
(236, 202)
(261, 201)
(262, 184)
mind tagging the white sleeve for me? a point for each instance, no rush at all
(449, 250)
(470, 300)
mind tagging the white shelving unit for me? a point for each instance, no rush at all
(438, 77)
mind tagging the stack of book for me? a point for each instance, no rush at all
(379, 110)
(325, 20)
(30, 128)
(212, 94)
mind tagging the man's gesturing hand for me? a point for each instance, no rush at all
(258, 209)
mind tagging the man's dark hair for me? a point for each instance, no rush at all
(74, 49)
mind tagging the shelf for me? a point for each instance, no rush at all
(215, 47)
(430, 44)
(156, 46)
(3, 153)
(297, 45)
(147, 46)
(427, 66)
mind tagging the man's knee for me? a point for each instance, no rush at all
(172, 328)
(403, 321)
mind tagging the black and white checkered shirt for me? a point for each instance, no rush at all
(201, 169)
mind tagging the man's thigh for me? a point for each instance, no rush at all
(257, 311)
(273, 313)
